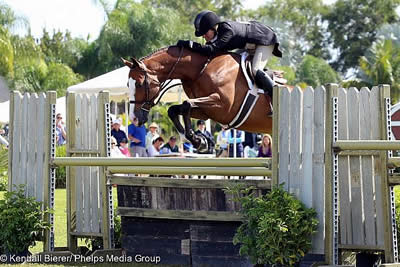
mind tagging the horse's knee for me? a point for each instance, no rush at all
(173, 111)
(185, 107)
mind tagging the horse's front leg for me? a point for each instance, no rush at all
(199, 141)
(187, 131)
(173, 113)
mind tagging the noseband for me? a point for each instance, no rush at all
(148, 103)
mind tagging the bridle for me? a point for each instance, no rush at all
(148, 103)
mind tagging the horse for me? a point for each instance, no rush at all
(216, 88)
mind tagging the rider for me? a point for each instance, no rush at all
(222, 36)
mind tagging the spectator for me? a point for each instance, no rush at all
(61, 133)
(115, 152)
(124, 147)
(137, 135)
(170, 147)
(250, 140)
(151, 135)
(155, 148)
(238, 141)
(117, 132)
(6, 129)
(201, 130)
(222, 142)
(265, 149)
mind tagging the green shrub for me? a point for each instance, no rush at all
(21, 219)
(3, 182)
(61, 172)
(277, 227)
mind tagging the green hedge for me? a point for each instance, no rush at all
(61, 173)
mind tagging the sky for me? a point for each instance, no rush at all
(80, 17)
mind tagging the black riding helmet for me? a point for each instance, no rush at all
(204, 21)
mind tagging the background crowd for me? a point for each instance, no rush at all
(140, 141)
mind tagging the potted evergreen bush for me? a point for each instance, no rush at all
(277, 228)
(22, 222)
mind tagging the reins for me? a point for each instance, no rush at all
(164, 86)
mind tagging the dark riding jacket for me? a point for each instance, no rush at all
(235, 35)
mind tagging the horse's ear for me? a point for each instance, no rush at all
(127, 63)
(137, 63)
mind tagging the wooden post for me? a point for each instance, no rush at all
(331, 92)
(386, 194)
(104, 135)
(72, 240)
(275, 137)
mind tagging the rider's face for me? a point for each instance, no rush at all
(209, 35)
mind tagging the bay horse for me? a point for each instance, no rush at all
(215, 90)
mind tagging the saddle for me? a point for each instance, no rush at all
(276, 75)
(253, 92)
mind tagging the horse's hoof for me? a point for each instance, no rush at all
(203, 146)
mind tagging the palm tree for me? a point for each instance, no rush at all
(6, 54)
(381, 65)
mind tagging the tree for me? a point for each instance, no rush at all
(59, 77)
(304, 19)
(315, 71)
(353, 26)
(188, 9)
(381, 65)
(133, 30)
(34, 74)
(6, 54)
(62, 48)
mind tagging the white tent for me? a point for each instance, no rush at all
(60, 106)
(5, 112)
(116, 82)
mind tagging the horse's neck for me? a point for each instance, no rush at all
(166, 66)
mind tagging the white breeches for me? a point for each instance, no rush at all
(261, 56)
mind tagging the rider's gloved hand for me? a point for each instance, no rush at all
(186, 44)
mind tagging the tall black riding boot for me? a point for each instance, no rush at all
(265, 82)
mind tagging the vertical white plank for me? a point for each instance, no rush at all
(366, 169)
(86, 170)
(94, 175)
(40, 143)
(284, 111)
(376, 135)
(18, 129)
(356, 204)
(344, 175)
(31, 140)
(24, 144)
(295, 142)
(98, 170)
(79, 170)
(318, 178)
(307, 147)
